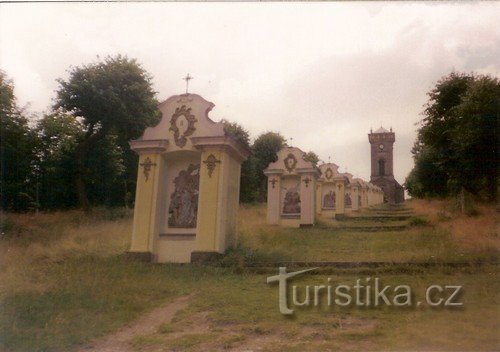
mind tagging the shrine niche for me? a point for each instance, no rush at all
(291, 203)
(347, 200)
(188, 183)
(329, 200)
(183, 208)
(291, 189)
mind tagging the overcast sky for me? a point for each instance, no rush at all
(320, 73)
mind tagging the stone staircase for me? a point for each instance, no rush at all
(379, 218)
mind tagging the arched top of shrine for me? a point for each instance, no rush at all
(291, 161)
(186, 126)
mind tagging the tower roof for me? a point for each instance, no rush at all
(381, 130)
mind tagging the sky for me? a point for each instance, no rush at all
(321, 74)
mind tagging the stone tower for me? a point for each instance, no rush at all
(382, 163)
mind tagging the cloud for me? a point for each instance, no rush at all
(320, 73)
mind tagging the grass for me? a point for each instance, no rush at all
(459, 239)
(64, 281)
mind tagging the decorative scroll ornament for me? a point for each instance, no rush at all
(290, 162)
(180, 138)
(273, 182)
(146, 165)
(328, 174)
(306, 181)
(211, 163)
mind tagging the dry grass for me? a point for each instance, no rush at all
(478, 233)
(64, 282)
(31, 241)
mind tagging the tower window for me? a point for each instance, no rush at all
(381, 167)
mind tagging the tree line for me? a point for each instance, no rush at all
(77, 155)
(455, 152)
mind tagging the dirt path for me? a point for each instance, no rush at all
(118, 341)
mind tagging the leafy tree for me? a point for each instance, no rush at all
(475, 138)
(247, 183)
(264, 151)
(105, 170)
(455, 147)
(426, 179)
(16, 152)
(58, 137)
(312, 157)
(113, 97)
(237, 131)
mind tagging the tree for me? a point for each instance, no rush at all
(58, 137)
(237, 131)
(312, 157)
(113, 97)
(455, 147)
(16, 153)
(427, 179)
(264, 151)
(475, 138)
(247, 180)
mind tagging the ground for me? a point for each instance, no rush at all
(66, 285)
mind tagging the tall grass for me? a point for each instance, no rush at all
(473, 234)
(64, 281)
(30, 241)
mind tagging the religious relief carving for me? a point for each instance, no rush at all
(291, 204)
(183, 208)
(329, 200)
(211, 163)
(182, 124)
(146, 166)
(290, 162)
(347, 200)
(328, 174)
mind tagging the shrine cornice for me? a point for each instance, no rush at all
(149, 146)
(233, 147)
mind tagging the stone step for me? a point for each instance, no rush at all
(370, 264)
(376, 218)
(382, 210)
(368, 228)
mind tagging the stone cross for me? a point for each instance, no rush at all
(187, 79)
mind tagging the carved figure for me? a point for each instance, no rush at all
(183, 208)
(291, 204)
(329, 200)
(347, 200)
